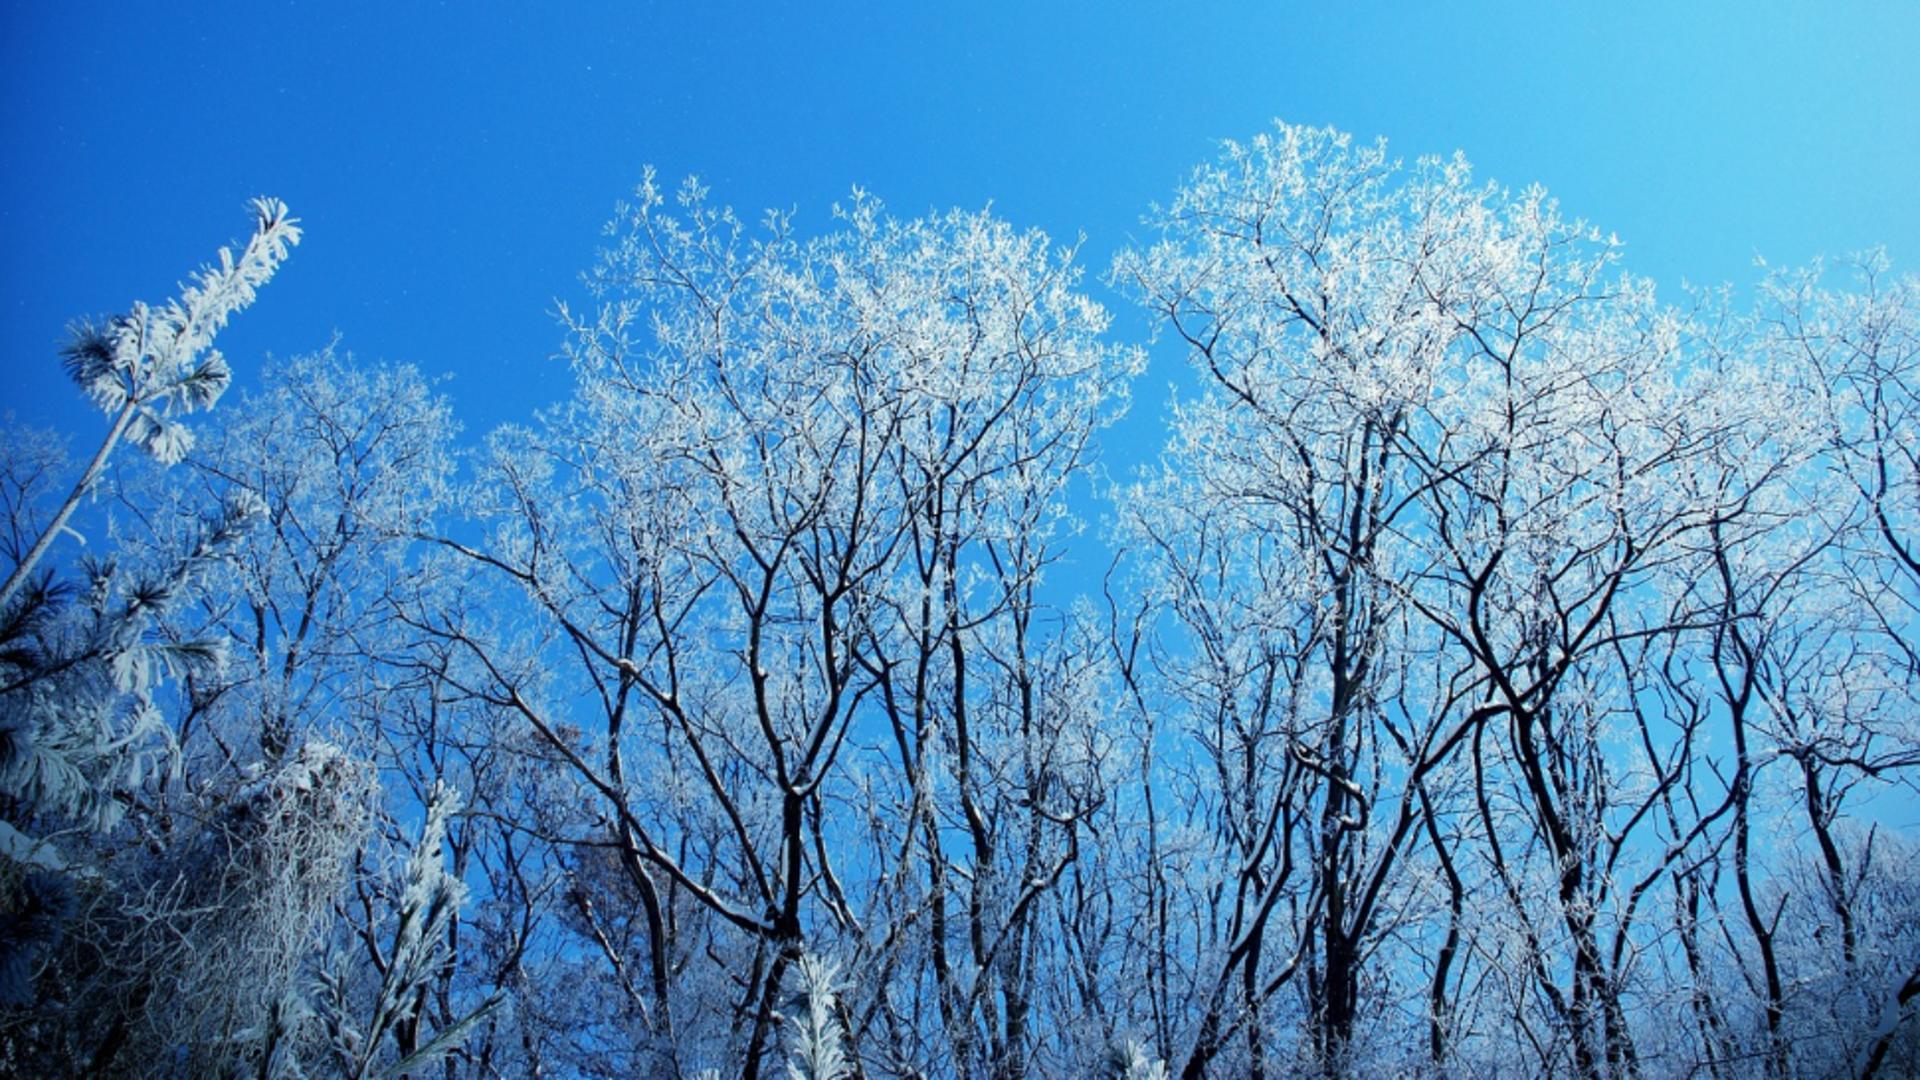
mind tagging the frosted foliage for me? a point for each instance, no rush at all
(1495, 590)
(79, 721)
(805, 493)
(817, 1049)
(349, 462)
(1503, 669)
(367, 441)
(156, 362)
(384, 1035)
(229, 932)
(181, 959)
(1128, 1060)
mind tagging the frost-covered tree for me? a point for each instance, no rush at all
(183, 828)
(179, 967)
(1298, 271)
(148, 367)
(1471, 555)
(348, 461)
(80, 663)
(1501, 671)
(784, 545)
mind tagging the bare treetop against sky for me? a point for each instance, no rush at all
(454, 162)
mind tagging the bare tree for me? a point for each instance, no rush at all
(800, 504)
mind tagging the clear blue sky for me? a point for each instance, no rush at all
(453, 162)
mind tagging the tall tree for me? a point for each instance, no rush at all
(788, 535)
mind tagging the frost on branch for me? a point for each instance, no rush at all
(357, 1035)
(84, 740)
(158, 362)
(151, 365)
(245, 905)
(79, 724)
(818, 1051)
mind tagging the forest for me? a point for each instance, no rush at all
(1499, 669)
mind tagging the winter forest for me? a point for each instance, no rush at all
(1499, 670)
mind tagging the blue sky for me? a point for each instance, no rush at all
(453, 162)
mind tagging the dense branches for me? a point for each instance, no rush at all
(785, 542)
(1498, 671)
(1491, 580)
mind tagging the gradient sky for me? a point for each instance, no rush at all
(453, 162)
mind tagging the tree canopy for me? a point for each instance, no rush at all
(1502, 669)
